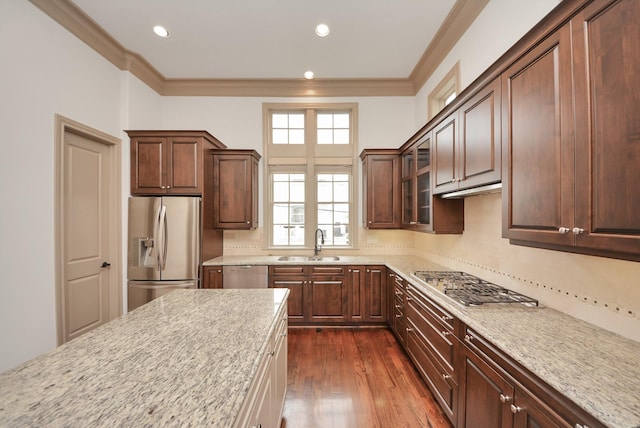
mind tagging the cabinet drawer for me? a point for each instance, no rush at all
(439, 380)
(328, 270)
(439, 315)
(286, 270)
(439, 339)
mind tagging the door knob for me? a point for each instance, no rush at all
(105, 265)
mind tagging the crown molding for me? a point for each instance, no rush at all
(462, 15)
(288, 87)
(69, 16)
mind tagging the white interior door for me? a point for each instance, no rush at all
(87, 236)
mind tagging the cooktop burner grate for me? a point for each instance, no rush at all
(470, 290)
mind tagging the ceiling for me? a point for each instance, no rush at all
(388, 41)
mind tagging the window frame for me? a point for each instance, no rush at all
(314, 159)
(437, 99)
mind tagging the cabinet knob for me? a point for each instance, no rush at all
(168, 187)
(577, 231)
(445, 376)
(445, 332)
(515, 409)
(564, 230)
(163, 187)
(505, 398)
(409, 329)
(468, 338)
(369, 221)
(398, 316)
(446, 318)
(247, 222)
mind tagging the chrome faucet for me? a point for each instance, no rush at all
(316, 248)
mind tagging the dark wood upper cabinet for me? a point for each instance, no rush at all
(421, 210)
(467, 145)
(538, 144)
(572, 138)
(235, 189)
(381, 188)
(169, 162)
(606, 49)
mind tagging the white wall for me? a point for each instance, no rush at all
(495, 30)
(49, 71)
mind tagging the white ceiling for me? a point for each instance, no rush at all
(255, 39)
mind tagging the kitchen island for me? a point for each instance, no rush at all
(188, 358)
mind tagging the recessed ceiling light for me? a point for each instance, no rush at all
(161, 31)
(308, 75)
(322, 30)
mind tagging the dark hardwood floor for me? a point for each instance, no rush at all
(354, 378)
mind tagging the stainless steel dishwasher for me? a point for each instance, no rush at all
(245, 276)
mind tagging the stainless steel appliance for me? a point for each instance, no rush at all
(245, 276)
(164, 246)
(470, 290)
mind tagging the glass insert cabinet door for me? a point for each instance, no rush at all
(416, 185)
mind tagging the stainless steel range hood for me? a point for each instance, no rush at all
(482, 190)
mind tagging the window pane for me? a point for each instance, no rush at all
(296, 236)
(280, 213)
(297, 192)
(280, 235)
(341, 192)
(288, 209)
(325, 136)
(296, 120)
(325, 214)
(341, 120)
(341, 136)
(287, 128)
(297, 214)
(333, 128)
(280, 192)
(341, 213)
(280, 136)
(296, 136)
(325, 193)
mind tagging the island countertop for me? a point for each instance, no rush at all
(184, 359)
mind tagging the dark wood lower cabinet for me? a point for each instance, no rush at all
(212, 277)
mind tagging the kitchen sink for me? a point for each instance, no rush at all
(308, 258)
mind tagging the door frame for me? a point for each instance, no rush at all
(114, 214)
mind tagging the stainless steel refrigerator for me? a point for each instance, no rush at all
(163, 245)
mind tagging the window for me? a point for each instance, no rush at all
(310, 153)
(445, 92)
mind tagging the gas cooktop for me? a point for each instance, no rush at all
(470, 290)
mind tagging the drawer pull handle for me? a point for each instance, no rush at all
(398, 316)
(409, 329)
(505, 398)
(515, 409)
(447, 318)
(468, 338)
(446, 376)
(445, 332)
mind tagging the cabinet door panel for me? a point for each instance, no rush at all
(445, 155)
(382, 197)
(480, 159)
(328, 300)
(375, 294)
(606, 38)
(148, 167)
(480, 403)
(184, 160)
(296, 301)
(538, 143)
(356, 293)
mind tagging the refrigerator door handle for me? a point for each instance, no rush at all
(165, 237)
(157, 238)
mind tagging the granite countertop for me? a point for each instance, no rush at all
(184, 359)
(597, 369)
